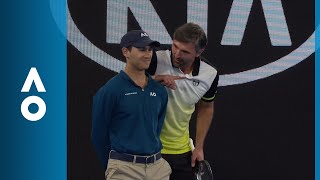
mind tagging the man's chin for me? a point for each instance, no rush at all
(145, 67)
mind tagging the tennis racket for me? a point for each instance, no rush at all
(202, 169)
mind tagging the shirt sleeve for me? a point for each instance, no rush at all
(101, 117)
(210, 94)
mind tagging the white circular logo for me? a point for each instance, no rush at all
(86, 47)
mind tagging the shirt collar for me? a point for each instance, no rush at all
(126, 77)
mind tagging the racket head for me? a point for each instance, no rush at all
(203, 171)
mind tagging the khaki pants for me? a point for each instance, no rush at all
(121, 170)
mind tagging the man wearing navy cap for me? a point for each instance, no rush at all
(128, 114)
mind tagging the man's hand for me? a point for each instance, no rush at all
(197, 154)
(168, 80)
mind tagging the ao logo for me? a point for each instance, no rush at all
(144, 34)
(33, 76)
(197, 10)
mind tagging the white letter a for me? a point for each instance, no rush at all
(33, 76)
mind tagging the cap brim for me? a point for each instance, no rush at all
(146, 43)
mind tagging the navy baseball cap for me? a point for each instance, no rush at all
(137, 38)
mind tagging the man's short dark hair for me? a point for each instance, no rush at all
(191, 33)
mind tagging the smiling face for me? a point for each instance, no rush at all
(138, 58)
(184, 55)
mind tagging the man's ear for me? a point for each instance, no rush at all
(199, 52)
(125, 52)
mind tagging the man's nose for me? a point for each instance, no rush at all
(177, 54)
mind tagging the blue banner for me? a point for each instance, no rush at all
(33, 74)
(317, 108)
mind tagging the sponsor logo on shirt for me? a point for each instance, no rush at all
(130, 93)
(195, 82)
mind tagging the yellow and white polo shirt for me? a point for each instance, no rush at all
(201, 83)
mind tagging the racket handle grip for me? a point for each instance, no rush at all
(191, 144)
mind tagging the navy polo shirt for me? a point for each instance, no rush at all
(127, 118)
